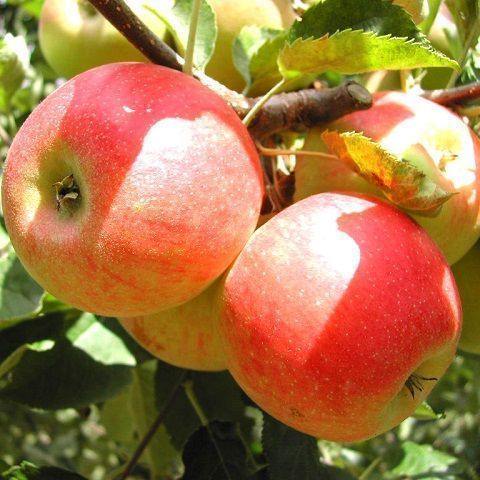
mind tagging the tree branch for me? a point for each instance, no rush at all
(287, 111)
(307, 108)
(454, 95)
(119, 14)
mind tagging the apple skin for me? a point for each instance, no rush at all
(422, 132)
(186, 336)
(467, 277)
(328, 310)
(75, 37)
(231, 17)
(170, 189)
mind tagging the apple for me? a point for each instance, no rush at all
(75, 37)
(416, 8)
(185, 336)
(130, 189)
(339, 315)
(467, 276)
(426, 134)
(231, 17)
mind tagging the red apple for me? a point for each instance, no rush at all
(339, 315)
(185, 336)
(467, 277)
(130, 189)
(426, 134)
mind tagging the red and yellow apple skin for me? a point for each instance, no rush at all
(467, 277)
(426, 134)
(330, 309)
(75, 37)
(170, 188)
(186, 336)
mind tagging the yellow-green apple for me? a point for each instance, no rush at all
(75, 37)
(231, 17)
(424, 133)
(130, 189)
(186, 336)
(339, 315)
(467, 276)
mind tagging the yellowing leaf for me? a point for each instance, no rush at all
(401, 182)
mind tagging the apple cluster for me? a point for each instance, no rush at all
(133, 191)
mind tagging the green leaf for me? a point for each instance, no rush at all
(426, 463)
(85, 364)
(425, 412)
(14, 358)
(215, 452)
(378, 16)
(177, 20)
(21, 297)
(160, 454)
(291, 455)
(28, 471)
(401, 182)
(351, 52)
(97, 340)
(14, 62)
(181, 420)
(255, 52)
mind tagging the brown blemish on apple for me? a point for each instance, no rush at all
(296, 413)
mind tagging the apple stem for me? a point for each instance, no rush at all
(261, 102)
(192, 398)
(273, 152)
(192, 33)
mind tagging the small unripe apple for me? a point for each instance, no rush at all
(339, 316)
(231, 17)
(467, 276)
(424, 133)
(75, 37)
(186, 336)
(130, 189)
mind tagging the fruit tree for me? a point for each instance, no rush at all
(240, 239)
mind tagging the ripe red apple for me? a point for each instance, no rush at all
(467, 277)
(130, 189)
(339, 315)
(426, 134)
(75, 37)
(186, 336)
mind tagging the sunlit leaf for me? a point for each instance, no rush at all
(423, 461)
(350, 52)
(177, 20)
(401, 182)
